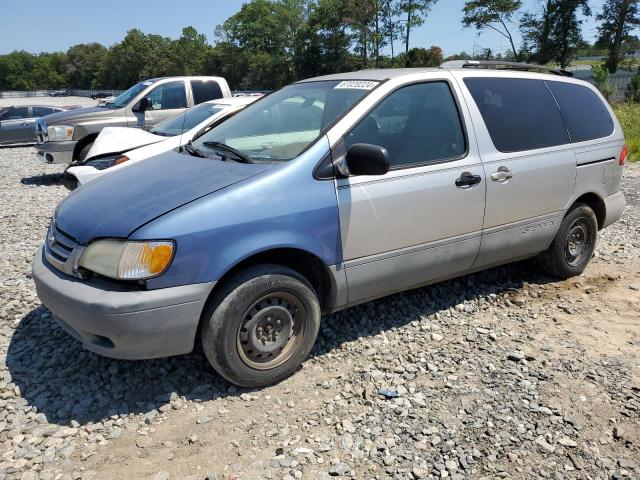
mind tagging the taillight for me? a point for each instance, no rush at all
(624, 153)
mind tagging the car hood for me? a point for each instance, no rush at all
(119, 203)
(71, 116)
(114, 140)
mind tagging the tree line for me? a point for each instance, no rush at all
(269, 43)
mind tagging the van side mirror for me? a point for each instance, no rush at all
(367, 159)
(143, 105)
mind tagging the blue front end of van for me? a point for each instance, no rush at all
(217, 213)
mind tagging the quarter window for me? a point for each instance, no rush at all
(586, 116)
(417, 124)
(520, 114)
(168, 96)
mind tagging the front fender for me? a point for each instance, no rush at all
(283, 207)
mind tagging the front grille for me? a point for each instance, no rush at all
(62, 250)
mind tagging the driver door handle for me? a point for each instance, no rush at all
(502, 175)
(467, 180)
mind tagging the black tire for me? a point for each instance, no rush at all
(573, 245)
(82, 154)
(261, 325)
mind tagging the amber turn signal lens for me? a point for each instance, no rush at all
(121, 159)
(160, 259)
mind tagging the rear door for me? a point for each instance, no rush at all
(421, 221)
(529, 162)
(17, 126)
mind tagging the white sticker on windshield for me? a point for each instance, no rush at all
(357, 84)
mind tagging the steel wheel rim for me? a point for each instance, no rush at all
(578, 242)
(271, 331)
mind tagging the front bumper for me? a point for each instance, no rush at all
(55, 152)
(85, 173)
(124, 324)
(614, 208)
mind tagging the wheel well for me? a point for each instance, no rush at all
(305, 263)
(83, 142)
(597, 205)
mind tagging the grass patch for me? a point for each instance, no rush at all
(629, 116)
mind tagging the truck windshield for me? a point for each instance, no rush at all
(187, 120)
(125, 97)
(282, 125)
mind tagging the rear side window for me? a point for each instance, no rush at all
(520, 114)
(204, 91)
(586, 116)
(42, 111)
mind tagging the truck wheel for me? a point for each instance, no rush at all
(261, 325)
(84, 151)
(572, 248)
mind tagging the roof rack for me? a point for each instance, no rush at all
(497, 65)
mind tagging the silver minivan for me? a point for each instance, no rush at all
(325, 194)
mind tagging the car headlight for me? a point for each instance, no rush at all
(59, 133)
(128, 260)
(107, 162)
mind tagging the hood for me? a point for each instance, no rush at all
(121, 139)
(117, 204)
(71, 116)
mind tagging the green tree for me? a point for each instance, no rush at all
(617, 19)
(601, 78)
(633, 89)
(189, 53)
(493, 14)
(415, 12)
(422, 57)
(556, 34)
(83, 65)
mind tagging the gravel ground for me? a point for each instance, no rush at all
(502, 374)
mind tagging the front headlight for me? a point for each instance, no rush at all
(59, 133)
(128, 260)
(107, 162)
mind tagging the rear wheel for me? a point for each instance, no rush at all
(261, 325)
(572, 248)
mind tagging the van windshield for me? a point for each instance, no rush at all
(187, 120)
(125, 97)
(282, 125)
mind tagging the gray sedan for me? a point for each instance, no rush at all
(18, 124)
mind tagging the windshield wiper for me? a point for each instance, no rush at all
(237, 155)
(189, 148)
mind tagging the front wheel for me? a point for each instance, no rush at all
(261, 325)
(573, 245)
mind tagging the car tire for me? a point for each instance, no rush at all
(261, 325)
(84, 151)
(572, 248)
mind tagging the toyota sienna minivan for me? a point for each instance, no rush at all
(325, 194)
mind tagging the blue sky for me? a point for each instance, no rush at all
(39, 25)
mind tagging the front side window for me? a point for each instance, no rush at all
(586, 116)
(186, 120)
(282, 125)
(203, 91)
(125, 97)
(417, 124)
(168, 96)
(520, 114)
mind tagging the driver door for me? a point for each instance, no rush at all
(17, 126)
(166, 100)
